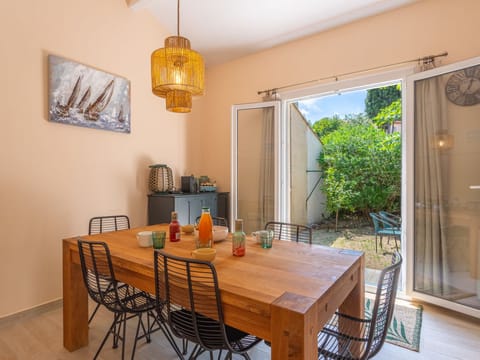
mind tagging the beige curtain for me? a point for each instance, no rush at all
(267, 163)
(431, 266)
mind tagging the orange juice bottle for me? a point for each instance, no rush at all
(205, 229)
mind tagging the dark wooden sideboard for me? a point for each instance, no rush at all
(188, 206)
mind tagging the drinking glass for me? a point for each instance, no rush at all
(158, 239)
(266, 240)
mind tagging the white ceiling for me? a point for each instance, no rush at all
(222, 30)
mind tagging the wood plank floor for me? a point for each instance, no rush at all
(445, 335)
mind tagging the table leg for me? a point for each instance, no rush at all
(354, 304)
(75, 302)
(293, 322)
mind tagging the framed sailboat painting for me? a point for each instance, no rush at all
(83, 96)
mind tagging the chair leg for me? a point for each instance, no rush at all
(111, 330)
(376, 247)
(197, 350)
(93, 313)
(139, 323)
(185, 346)
(124, 333)
(146, 331)
(116, 332)
(170, 339)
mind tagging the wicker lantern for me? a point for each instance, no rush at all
(177, 72)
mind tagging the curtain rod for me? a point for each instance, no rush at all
(424, 60)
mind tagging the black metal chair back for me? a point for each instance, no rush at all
(384, 304)
(344, 333)
(123, 300)
(98, 274)
(288, 231)
(194, 305)
(193, 284)
(101, 224)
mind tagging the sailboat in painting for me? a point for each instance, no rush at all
(64, 110)
(121, 115)
(92, 112)
(83, 101)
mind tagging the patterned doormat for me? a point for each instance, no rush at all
(406, 323)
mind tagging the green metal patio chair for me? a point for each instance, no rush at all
(385, 227)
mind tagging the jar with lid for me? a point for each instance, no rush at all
(205, 229)
(174, 228)
(238, 239)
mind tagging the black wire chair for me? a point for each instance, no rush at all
(346, 337)
(122, 299)
(219, 221)
(194, 284)
(292, 232)
(101, 224)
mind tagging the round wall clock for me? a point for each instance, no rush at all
(463, 86)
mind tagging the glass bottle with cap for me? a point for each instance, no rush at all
(205, 229)
(174, 228)
(238, 239)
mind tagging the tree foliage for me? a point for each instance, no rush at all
(361, 167)
(389, 114)
(326, 125)
(380, 98)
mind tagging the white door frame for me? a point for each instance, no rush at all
(359, 83)
(410, 186)
(278, 170)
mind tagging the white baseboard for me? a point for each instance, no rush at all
(36, 310)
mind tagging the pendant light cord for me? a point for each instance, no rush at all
(178, 17)
(423, 60)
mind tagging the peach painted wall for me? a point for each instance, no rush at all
(54, 177)
(423, 28)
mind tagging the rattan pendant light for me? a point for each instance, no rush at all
(177, 72)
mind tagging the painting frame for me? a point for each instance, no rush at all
(84, 96)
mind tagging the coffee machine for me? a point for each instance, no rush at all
(189, 184)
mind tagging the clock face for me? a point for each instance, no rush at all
(463, 86)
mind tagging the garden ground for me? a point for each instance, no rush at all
(357, 236)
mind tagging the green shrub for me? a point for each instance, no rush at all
(361, 168)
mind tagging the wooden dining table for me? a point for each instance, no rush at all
(284, 294)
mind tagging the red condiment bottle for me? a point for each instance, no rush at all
(174, 228)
